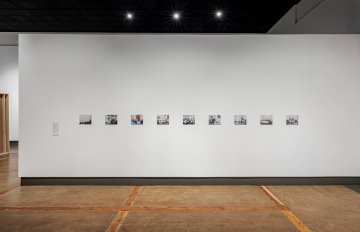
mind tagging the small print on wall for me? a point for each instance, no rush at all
(266, 120)
(215, 119)
(240, 119)
(137, 119)
(111, 119)
(189, 119)
(292, 120)
(85, 119)
(163, 119)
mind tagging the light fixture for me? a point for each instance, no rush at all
(129, 16)
(176, 15)
(218, 14)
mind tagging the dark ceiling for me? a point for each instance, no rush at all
(154, 16)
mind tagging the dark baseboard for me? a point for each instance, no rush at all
(194, 181)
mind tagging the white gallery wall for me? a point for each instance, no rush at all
(320, 17)
(9, 83)
(314, 76)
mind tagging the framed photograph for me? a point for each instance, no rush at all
(240, 119)
(215, 119)
(137, 119)
(189, 119)
(266, 120)
(111, 119)
(292, 120)
(163, 119)
(85, 119)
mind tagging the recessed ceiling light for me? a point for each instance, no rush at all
(176, 15)
(218, 14)
(129, 16)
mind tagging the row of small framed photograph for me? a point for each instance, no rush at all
(164, 119)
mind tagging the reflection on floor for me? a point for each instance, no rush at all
(356, 188)
(173, 208)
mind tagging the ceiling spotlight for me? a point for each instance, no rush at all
(218, 14)
(129, 16)
(176, 16)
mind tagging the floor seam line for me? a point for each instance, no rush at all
(36, 208)
(117, 221)
(9, 190)
(132, 198)
(205, 209)
(138, 208)
(286, 211)
(124, 210)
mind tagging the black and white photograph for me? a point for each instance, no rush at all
(189, 119)
(163, 119)
(111, 119)
(215, 119)
(137, 119)
(292, 120)
(266, 120)
(240, 119)
(85, 119)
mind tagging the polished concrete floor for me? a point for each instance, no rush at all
(174, 208)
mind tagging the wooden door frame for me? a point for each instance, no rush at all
(4, 121)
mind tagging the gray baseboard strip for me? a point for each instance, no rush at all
(194, 181)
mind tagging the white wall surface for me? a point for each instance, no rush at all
(9, 38)
(314, 76)
(304, 7)
(9, 83)
(320, 17)
(286, 25)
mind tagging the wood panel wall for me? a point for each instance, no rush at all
(4, 123)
